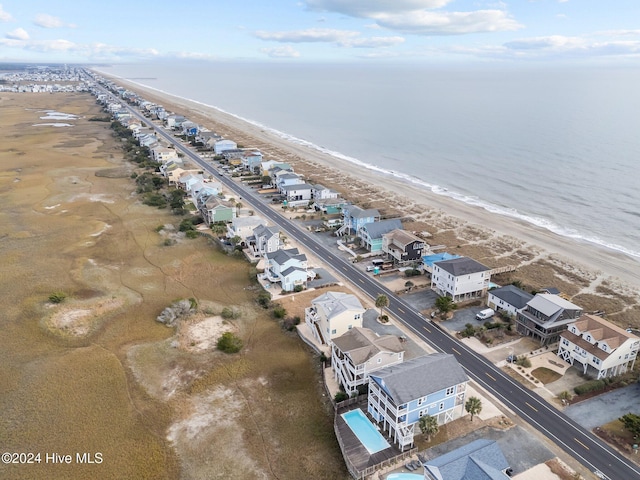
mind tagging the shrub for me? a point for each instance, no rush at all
(192, 234)
(469, 331)
(279, 311)
(264, 300)
(229, 313)
(57, 297)
(412, 272)
(523, 361)
(384, 318)
(592, 386)
(229, 343)
(289, 324)
(341, 397)
(298, 288)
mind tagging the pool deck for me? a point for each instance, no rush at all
(354, 450)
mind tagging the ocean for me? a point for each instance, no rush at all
(555, 147)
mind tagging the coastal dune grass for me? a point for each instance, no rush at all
(120, 388)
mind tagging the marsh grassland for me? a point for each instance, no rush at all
(96, 372)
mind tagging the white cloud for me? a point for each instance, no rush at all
(449, 23)
(18, 34)
(308, 35)
(372, 42)
(49, 21)
(5, 16)
(552, 42)
(286, 51)
(368, 8)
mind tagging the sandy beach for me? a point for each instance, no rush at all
(580, 270)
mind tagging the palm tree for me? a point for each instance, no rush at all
(445, 304)
(473, 406)
(428, 426)
(382, 301)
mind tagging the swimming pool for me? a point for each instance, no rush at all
(404, 476)
(365, 431)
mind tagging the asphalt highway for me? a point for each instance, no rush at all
(577, 442)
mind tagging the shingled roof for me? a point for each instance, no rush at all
(461, 266)
(420, 377)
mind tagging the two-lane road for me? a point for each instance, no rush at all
(568, 435)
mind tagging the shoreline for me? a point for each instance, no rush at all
(606, 264)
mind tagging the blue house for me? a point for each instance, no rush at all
(481, 459)
(400, 394)
(355, 218)
(371, 233)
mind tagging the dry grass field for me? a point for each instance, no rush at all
(97, 373)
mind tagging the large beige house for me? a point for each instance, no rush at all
(360, 351)
(601, 348)
(333, 314)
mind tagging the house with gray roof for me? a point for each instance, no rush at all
(264, 240)
(400, 394)
(508, 300)
(332, 315)
(359, 352)
(481, 459)
(460, 278)
(371, 233)
(546, 316)
(297, 195)
(215, 210)
(355, 217)
(243, 226)
(287, 267)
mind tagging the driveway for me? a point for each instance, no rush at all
(606, 407)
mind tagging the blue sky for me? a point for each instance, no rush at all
(116, 31)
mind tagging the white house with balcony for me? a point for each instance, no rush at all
(598, 347)
(332, 315)
(287, 267)
(400, 394)
(264, 240)
(243, 227)
(359, 352)
(163, 154)
(460, 278)
(223, 145)
(508, 300)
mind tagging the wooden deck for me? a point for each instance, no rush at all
(354, 451)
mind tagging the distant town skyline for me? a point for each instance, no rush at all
(417, 31)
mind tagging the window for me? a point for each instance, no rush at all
(420, 401)
(349, 327)
(450, 390)
(333, 332)
(421, 413)
(441, 406)
(379, 360)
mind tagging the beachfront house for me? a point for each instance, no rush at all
(264, 240)
(189, 128)
(354, 218)
(400, 394)
(460, 278)
(204, 188)
(597, 347)
(297, 195)
(402, 246)
(251, 160)
(207, 138)
(371, 233)
(222, 145)
(287, 267)
(216, 210)
(481, 459)
(320, 192)
(360, 352)
(545, 317)
(285, 178)
(174, 121)
(508, 300)
(332, 315)
(242, 227)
